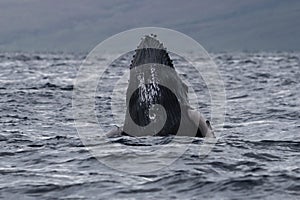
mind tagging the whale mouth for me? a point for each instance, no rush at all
(156, 98)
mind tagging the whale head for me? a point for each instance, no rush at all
(157, 98)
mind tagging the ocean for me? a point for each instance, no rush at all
(257, 155)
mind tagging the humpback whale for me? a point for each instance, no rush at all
(154, 84)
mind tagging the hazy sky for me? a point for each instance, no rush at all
(219, 25)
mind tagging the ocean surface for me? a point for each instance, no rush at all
(257, 155)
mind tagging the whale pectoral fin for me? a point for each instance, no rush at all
(116, 132)
(203, 125)
(210, 132)
(208, 124)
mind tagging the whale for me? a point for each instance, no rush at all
(157, 101)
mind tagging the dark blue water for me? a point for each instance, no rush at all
(257, 154)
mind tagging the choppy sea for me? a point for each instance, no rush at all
(257, 155)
